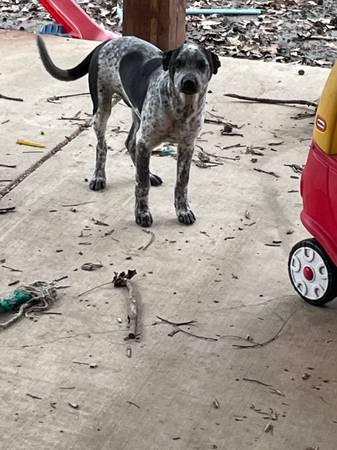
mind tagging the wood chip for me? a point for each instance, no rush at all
(74, 405)
(216, 404)
(269, 428)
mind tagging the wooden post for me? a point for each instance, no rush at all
(161, 22)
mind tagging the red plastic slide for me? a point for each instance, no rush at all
(75, 21)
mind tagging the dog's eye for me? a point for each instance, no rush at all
(179, 64)
(201, 65)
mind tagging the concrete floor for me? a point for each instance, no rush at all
(164, 396)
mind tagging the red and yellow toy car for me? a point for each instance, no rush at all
(312, 263)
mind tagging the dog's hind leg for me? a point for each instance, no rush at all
(103, 112)
(130, 144)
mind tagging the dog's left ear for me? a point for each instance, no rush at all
(213, 60)
(166, 59)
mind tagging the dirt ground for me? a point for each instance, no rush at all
(297, 31)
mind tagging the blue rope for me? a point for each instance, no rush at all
(12, 301)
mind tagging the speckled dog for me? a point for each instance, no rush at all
(167, 94)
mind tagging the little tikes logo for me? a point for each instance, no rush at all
(321, 124)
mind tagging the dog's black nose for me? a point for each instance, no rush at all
(189, 86)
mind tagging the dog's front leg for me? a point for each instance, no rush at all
(142, 161)
(184, 213)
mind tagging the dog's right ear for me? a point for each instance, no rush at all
(167, 59)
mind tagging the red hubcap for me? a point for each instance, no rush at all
(308, 273)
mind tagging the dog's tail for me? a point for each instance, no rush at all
(61, 74)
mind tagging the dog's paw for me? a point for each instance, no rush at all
(155, 180)
(97, 184)
(186, 216)
(144, 217)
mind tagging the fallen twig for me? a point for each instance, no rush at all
(133, 404)
(273, 101)
(226, 133)
(74, 117)
(132, 310)
(93, 289)
(204, 157)
(276, 391)
(272, 339)
(78, 119)
(61, 279)
(267, 172)
(321, 38)
(99, 222)
(274, 144)
(252, 380)
(215, 121)
(272, 244)
(35, 397)
(63, 287)
(73, 405)
(14, 99)
(204, 338)
(295, 167)
(227, 147)
(177, 329)
(7, 210)
(204, 162)
(259, 411)
(11, 268)
(250, 150)
(215, 115)
(269, 428)
(269, 386)
(175, 324)
(228, 158)
(56, 98)
(152, 239)
(109, 233)
(77, 204)
(34, 152)
(123, 280)
(305, 115)
(205, 165)
(218, 121)
(8, 166)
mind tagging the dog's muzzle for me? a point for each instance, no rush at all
(189, 85)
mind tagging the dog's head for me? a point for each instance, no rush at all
(191, 67)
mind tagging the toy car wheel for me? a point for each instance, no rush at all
(312, 273)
